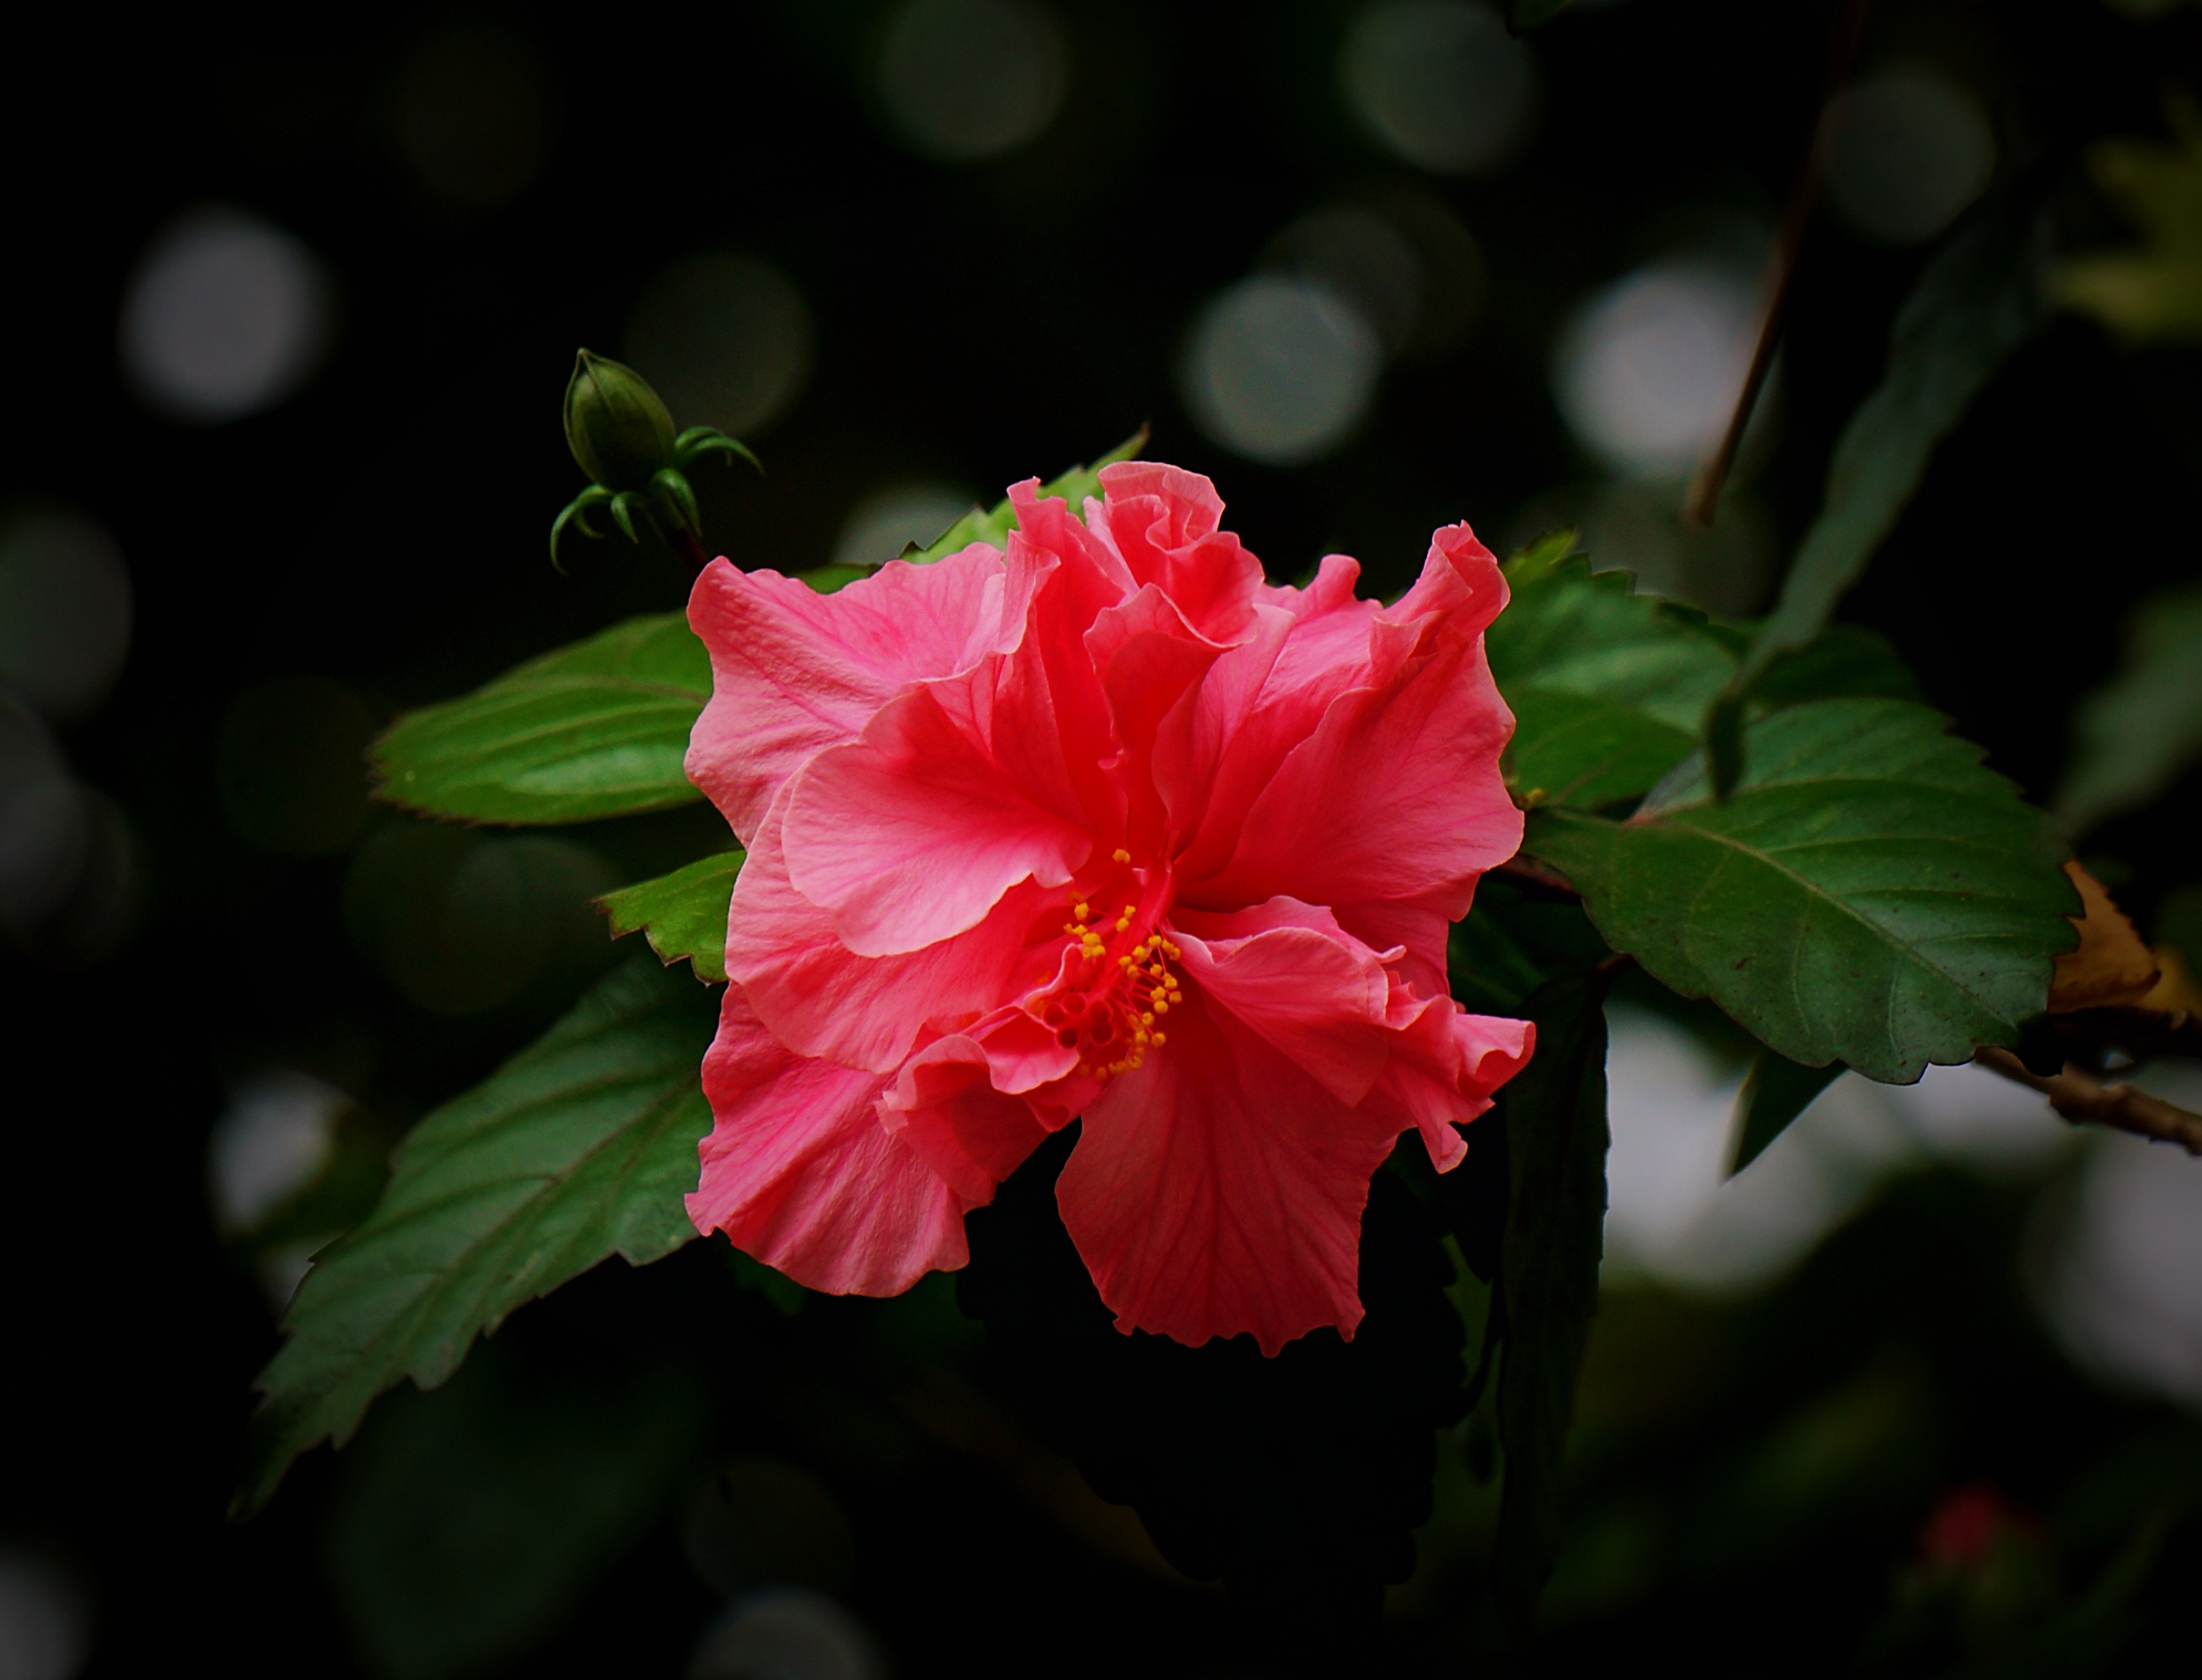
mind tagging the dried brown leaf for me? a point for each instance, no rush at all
(2112, 967)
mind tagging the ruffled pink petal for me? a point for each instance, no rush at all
(1217, 1190)
(1165, 523)
(1444, 1068)
(913, 833)
(1262, 701)
(1149, 659)
(1307, 988)
(794, 671)
(945, 1105)
(798, 1172)
(823, 999)
(1397, 794)
(1418, 928)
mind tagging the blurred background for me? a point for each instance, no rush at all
(295, 302)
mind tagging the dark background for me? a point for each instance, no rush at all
(978, 324)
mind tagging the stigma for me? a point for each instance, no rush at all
(1117, 986)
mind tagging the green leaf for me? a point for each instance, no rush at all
(1847, 659)
(1979, 299)
(2149, 293)
(1869, 893)
(683, 914)
(1556, 1144)
(1608, 688)
(1514, 940)
(981, 525)
(829, 580)
(599, 729)
(469, 1523)
(578, 1149)
(1611, 688)
(2135, 735)
(1775, 1092)
(1524, 15)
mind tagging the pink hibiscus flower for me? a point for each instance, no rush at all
(1106, 827)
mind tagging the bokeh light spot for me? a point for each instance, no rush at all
(1637, 526)
(890, 519)
(64, 609)
(1440, 83)
(290, 768)
(1908, 151)
(2119, 1285)
(1365, 258)
(1647, 372)
(966, 80)
(71, 878)
(727, 340)
(226, 316)
(462, 921)
(45, 1625)
(789, 1633)
(1280, 370)
(474, 114)
(278, 1133)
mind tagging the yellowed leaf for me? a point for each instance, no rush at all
(2175, 992)
(2112, 967)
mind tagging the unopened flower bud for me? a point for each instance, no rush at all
(616, 426)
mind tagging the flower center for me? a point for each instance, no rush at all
(1116, 982)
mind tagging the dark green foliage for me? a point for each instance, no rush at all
(1611, 688)
(1775, 1092)
(468, 1521)
(599, 729)
(1556, 1144)
(1608, 688)
(1297, 1480)
(1869, 893)
(2140, 731)
(578, 1148)
(682, 914)
(1979, 299)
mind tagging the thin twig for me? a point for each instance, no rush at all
(2078, 1097)
(1804, 194)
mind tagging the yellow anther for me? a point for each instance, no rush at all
(1147, 1018)
(1081, 909)
(1131, 909)
(1120, 855)
(1161, 1008)
(1122, 922)
(1161, 1039)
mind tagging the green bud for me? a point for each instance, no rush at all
(616, 426)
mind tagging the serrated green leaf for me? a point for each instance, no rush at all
(578, 1148)
(683, 914)
(1847, 661)
(595, 730)
(1555, 1146)
(994, 526)
(1775, 1092)
(1980, 298)
(2136, 735)
(1869, 893)
(1608, 687)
